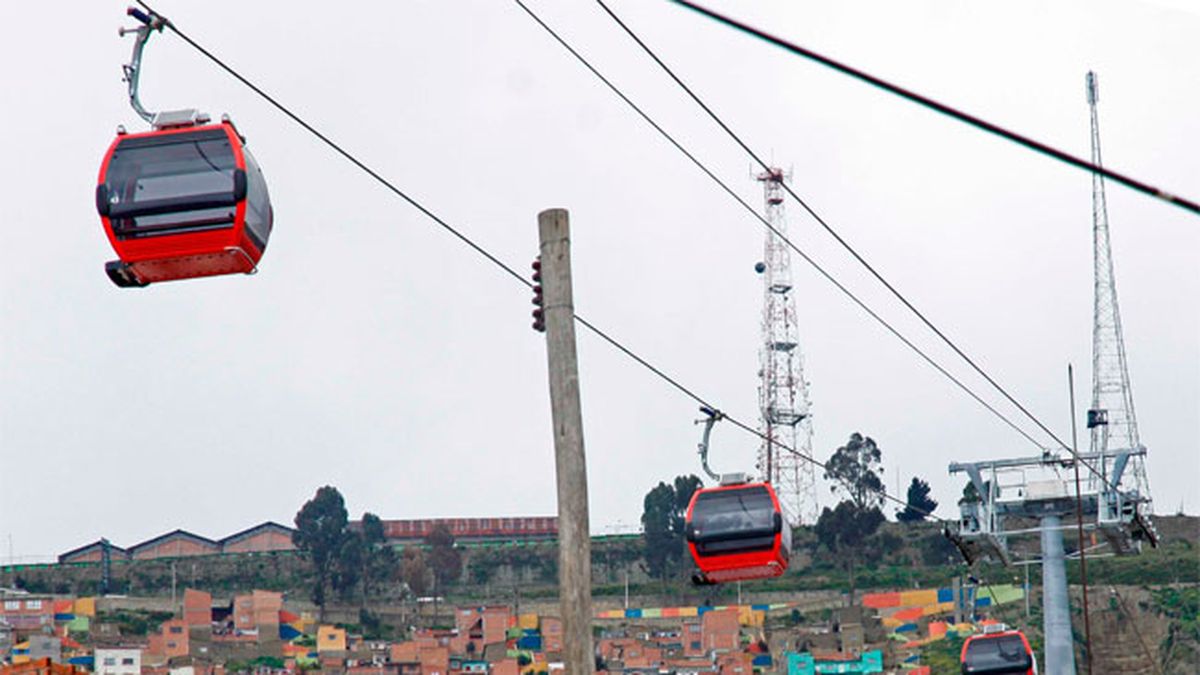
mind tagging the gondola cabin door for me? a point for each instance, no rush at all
(738, 532)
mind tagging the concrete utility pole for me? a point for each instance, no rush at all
(574, 541)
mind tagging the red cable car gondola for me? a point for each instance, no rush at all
(998, 651)
(182, 202)
(735, 531)
(738, 532)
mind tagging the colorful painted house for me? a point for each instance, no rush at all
(331, 639)
(807, 664)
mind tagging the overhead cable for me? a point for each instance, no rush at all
(603, 335)
(774, 230)
(828, 228)
(846, 245)
(949, 111)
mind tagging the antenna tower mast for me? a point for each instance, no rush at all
(1111, 419)
(783, 391)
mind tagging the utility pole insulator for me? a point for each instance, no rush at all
(539, 310)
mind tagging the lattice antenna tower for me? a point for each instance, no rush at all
(783, 391)
(1111, 419)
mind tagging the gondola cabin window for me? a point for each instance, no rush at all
(734, 520)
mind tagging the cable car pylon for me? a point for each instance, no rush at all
(1114, 502)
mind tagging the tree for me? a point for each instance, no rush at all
(845, 529)
(855, 468)
(970, 494)
(379, 559)
(445, 560)
(320, 535)
(415, 572)
(348, 564)
(664, 512)
(919, 505)
(657, 531)
(685, 487)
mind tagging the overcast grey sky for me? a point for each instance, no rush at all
(375, 353)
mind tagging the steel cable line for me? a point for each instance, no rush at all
(603, 335)
(947, 110)
(337, 148)
(828, 277)
(743, 425)
(829, 229)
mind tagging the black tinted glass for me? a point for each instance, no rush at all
(181, 174)
(733, 512)
(174, 166)
(1004, 654)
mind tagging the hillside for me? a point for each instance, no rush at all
(1140, 605)
(907, 556)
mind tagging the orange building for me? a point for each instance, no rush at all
(331, 639)
(721, 630)
(405, 652)
(735, 663)
(435, 660)
(506, 667)
(258, 611)
(692, 637)
(197, 608)
(552, 634)
(41, 667)
(28, 614)
(175, 638)
(267, 606)
(169, 642)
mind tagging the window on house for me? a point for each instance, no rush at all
(33, 604)
(12, 604)
(176, 629)
(110, 661)
(127, 661)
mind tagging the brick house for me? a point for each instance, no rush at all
(721, 630)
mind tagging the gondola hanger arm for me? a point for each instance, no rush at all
(711, 417)
(151, 22)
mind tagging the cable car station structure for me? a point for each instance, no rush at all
(1105, 489)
